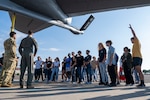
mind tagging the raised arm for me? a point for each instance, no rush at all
(133, 32)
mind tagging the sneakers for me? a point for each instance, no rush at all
(118, 83)
(74, 82)
(36, 81)
(127, 85)
(88, 83)
(101, 83)
(112, 85)
(49, 81)
(106, 83)
(62, 80)
(131, 84)
(137, 82)
(68, 80)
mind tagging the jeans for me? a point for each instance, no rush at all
(83, 73)
(89, 73)
(94, 72)
(55, 70)
(103, 72)
(73, 73)
(79, 73)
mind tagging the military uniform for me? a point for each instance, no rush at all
(1, 65)
(9, 62)
(27, 60)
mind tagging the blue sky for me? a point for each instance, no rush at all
(110, 25)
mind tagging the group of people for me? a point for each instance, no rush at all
(77, 69)
(133, 60)
(76, 66)
(129, 62)
(73, 66)
(49, 68)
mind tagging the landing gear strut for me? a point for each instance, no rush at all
(13, 22)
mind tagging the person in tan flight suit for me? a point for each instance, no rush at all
(9, 62)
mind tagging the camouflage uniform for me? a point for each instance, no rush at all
(26, 51)
(9, 62)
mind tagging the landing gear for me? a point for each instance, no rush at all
(13, 20)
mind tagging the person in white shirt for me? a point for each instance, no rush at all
(55, 69)
(38, 69)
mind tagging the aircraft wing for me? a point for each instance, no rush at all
(31, 19)
(24, 23)
(26, 19)
(81, 7)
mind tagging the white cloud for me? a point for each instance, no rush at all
(5, 34)
(20, 35)
(3, 37)
(54, 49)
(51, 49)
(41, 42)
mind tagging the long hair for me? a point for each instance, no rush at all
(101, 45)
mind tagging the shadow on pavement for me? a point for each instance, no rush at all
(63, 89)
(143, 93)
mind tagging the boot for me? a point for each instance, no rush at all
(30, 87)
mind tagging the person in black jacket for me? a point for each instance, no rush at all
(79, 63)
(127, 65)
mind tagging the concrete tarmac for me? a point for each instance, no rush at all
(69, 91)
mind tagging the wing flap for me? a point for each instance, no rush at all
(24, 23)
